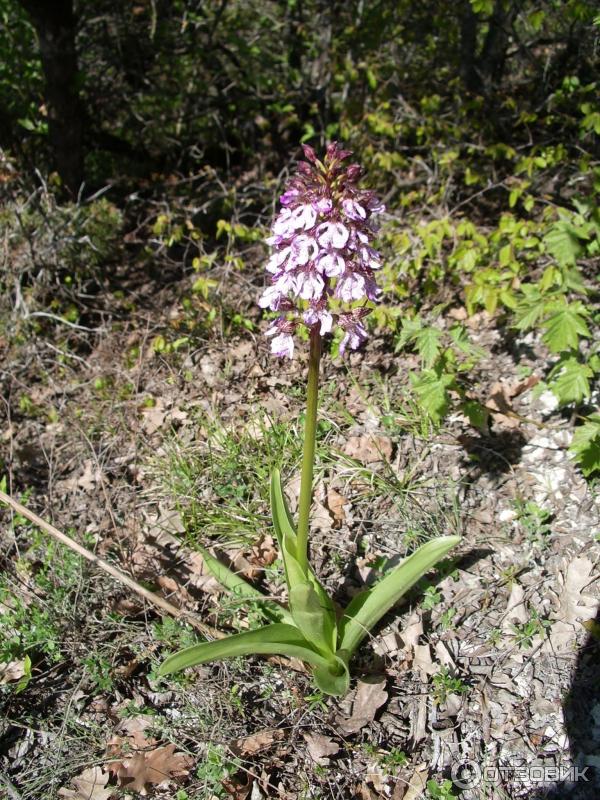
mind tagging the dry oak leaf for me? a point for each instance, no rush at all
(417, 783)
(574, 605)
(12, 671)
(90, 785)
(336, 503)
(369, 447)
(153, 767)
(133, 733)
(320, 517)
(154, 416)
(498, 401)
(319, 747)
(264, 553)
(249, 745)
(370, 695)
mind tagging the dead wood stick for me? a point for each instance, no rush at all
(155, 599)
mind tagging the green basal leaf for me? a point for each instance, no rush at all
(314, 619)
(243, 590)
(286, 537)
(368, 607)
(277, 639)
(297, 579)
(334, 678)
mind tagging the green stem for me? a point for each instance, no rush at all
(308, 457)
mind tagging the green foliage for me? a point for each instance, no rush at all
(570, 379)
(445, 683)
(564, 326)
(524, 271)
(21, 80)
(314, 636)
(524, 632)
(445, 357)
(535, 521)
(443, 790)
(585, 446)
(215, 766)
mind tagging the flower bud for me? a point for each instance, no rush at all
(309, 153)
(305, 169)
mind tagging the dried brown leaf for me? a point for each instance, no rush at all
(153, 767)
(417, 783)
(320, 517)
(336, 503)
(573, 605)
(369, 448)
(90, 785)
(249, 745)
(370, 695)
(154, 416)
(499, 400)
(12, 671)
(320, 747)
(264, 553)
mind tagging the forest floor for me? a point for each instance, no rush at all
(137, 450)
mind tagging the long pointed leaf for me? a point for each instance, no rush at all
(286, 536)
(314, 619)
(277, 639)
(282, 518)
(368, 607)
(312, 609)
(238, 587)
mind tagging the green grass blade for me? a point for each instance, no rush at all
(241, 589)
(368, 607)
(277, 639)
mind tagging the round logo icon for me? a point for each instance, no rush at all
(466, 775)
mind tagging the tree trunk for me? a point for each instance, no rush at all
(468, 49)
(55, 26)
(490, 64)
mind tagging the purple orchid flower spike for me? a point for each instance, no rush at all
(321, 251)
(322, 274)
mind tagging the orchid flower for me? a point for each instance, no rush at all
(322, 260)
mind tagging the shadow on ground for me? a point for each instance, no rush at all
(582, 721)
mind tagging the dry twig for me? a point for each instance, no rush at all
(152, 598)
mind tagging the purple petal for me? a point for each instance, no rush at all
(332, 234)
(289, 197)
(270, 298)
(304, 249)
(323, 205)
(310, 285)
(331, 264)
(353, 210)
(283, 345)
